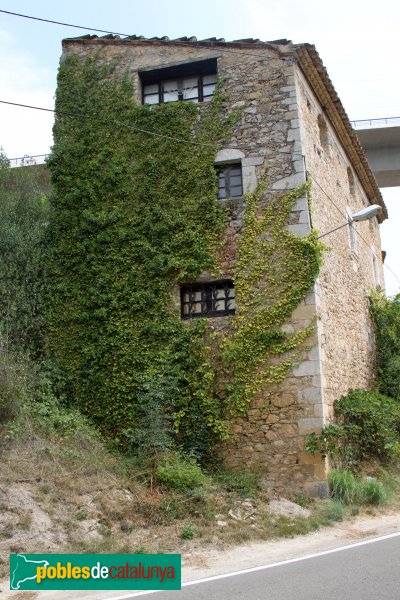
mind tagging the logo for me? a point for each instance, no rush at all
(95, 571)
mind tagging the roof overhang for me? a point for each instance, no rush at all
(316, 74)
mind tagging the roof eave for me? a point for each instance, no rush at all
(315, 72)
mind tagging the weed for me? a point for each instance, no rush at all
(333, 510)
(342, 485)
(243, 484)
(80, 515)
(126, 527)
(188, 531)
(302, 501)
(180, 473)
(371, 491)
(25, 521)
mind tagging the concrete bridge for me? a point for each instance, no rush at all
(380, 139)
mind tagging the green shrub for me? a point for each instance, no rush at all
(23, 216)
(188, 531)
(342, 486)
(347, 489)
(12, 386)
(371, 491)
(333, 510)
(244, 484)
(367, 427)
(386, 315)
(180, 473)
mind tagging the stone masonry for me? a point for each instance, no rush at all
(292, 126)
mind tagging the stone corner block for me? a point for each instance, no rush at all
(310, 425)
(300, 229)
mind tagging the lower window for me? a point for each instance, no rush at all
(208, 300)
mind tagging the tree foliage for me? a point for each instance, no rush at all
(23, 220)
(366, 427)
(386, 316)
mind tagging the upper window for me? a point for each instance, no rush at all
(230, 183)
(208, 300)
(375, 267)
(194, 82)
(352, 235)
(323, 132)
(350, 179)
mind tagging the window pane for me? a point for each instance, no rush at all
(208, 90)
(196, 308)
(235, 192)
(220, 305)
(234, 181)
(235, 171)
(170, 90)
(208, 300)
(190, 88)
(151, 89)
(209, 79)
(151, 99)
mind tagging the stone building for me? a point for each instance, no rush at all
(294, 125)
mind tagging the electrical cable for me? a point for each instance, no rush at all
(81, 116)
(105, 121)
(127, 35)
(354, 229)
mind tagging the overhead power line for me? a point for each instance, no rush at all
(193, 142)
(127, 35)
(107, 121)
(354, 229)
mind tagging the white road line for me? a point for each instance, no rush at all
(263, 567)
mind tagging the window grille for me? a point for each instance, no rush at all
(208, 300)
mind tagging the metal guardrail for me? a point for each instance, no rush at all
(28, 161)
(375, 123)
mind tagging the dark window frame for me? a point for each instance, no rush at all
(225, 174)
(208, 299)
(199, 69)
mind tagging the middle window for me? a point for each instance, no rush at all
(208, 300)
(230, 183)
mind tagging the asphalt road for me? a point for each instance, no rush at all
(367, 571)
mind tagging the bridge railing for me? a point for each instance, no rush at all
(25, 161)
(374, 123)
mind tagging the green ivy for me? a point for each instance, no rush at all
(274, 271)
(132, 215)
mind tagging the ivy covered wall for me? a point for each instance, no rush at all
(135, 214)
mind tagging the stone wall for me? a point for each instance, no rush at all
(347, 276)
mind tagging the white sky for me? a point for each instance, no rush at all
(358, 42)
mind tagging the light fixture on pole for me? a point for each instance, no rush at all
(362, 215)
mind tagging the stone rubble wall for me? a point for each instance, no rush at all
(347, 276)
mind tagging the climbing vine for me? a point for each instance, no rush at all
(134, 214)
(275, 269)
